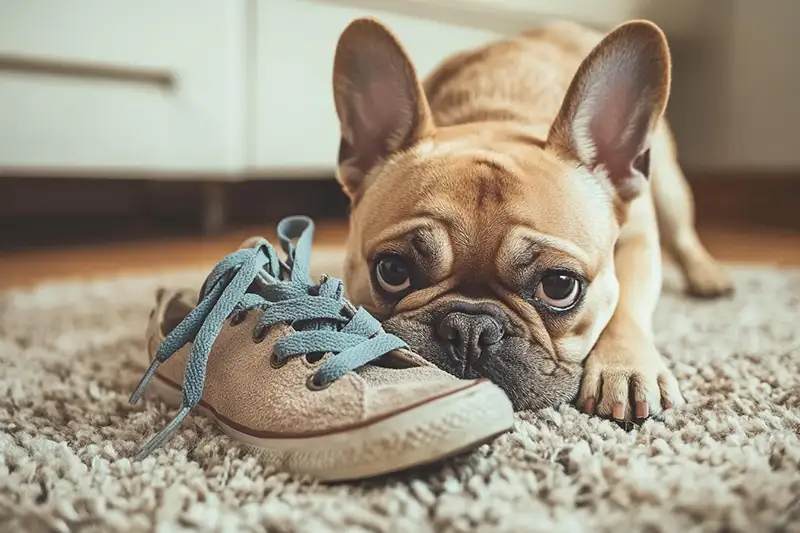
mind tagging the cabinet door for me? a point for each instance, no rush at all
(296, 129)
(129, 86)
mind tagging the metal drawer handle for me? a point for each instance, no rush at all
(88, 70)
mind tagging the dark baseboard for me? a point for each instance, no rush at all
(58, 211)
(768, 200)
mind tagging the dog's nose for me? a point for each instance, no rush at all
(469, 334)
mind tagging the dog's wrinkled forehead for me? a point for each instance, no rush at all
(455, 198)
(452, 172)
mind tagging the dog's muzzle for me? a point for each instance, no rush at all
(473, 339)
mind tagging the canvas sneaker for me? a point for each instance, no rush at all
(293, 369)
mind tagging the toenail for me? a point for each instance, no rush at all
(589, 405)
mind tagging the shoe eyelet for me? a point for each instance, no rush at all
(238, 317)
(273, 361)
(312, 384)
(259, 332)
(313, 358)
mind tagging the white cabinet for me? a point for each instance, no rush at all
(296, 131)
(182, 88)
(85, 86)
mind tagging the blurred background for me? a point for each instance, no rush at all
(130, 128)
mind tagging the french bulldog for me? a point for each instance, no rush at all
(507, 213)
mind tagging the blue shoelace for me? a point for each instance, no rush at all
(251, 278)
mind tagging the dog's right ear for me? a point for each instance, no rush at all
(380, 102)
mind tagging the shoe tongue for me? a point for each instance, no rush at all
(253, 241)
(250, 242)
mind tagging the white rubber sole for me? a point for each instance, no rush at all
(425, 434)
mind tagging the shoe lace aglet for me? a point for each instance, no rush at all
(140, 388)
(164, 434)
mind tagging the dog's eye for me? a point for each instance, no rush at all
(558, 290)
(392, 275)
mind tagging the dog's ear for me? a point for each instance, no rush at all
(613, 105)
(381, 106)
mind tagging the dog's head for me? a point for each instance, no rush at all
(489, 253)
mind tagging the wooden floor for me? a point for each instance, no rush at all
(25, 268)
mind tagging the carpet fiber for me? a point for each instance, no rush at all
(729, 461)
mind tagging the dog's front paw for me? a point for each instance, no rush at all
(626, 383)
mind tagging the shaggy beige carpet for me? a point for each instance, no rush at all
(729, 461)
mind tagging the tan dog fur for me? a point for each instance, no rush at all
(521, 156)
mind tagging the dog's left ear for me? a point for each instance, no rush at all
(613, 105)
(381, 106)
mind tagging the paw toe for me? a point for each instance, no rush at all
(615, 400)
(670, 391)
